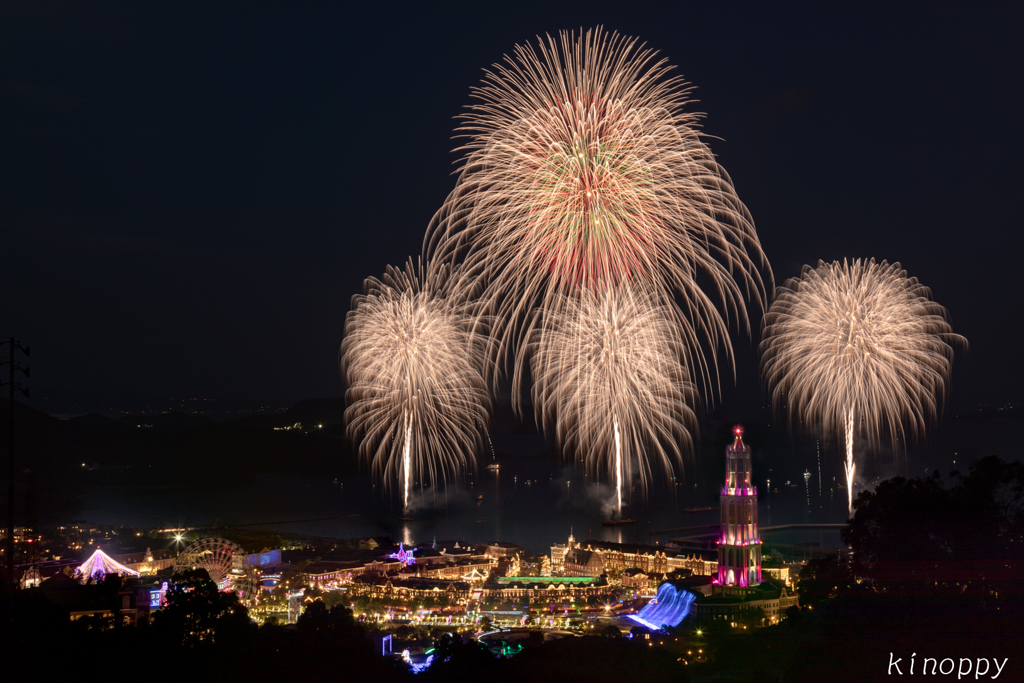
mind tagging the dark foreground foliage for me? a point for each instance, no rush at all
(937, 570)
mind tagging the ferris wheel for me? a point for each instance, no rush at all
(225, 562)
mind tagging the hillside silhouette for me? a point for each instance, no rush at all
(61, 461)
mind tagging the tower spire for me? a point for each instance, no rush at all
(739, 548)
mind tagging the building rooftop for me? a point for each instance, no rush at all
(766, 590)
(326, 566)
(627, 547)
(139, 557)
(418, 583)
(554, 580)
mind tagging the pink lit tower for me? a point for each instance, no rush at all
(739, 548)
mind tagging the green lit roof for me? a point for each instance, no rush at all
(547, 579)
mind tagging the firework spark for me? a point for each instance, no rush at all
(858, 346)
(609, 380)
(414, 365)
(582, 172)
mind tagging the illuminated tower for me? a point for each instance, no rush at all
(739, 548)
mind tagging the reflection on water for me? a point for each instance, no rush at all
(531, 502)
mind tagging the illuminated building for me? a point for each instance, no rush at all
(548, 588)
(697, 565)
(604, 557)
(463, 570)
(383, 565)
(20, 533)
(730, 602)
(777, 574)
(739, 588)
(580, 562)
(148, 562)
(557, 589)
(641, 581)
(502, 549)
(558, 552)
(391, 589)
(320, 573)
(30, 578)
(456, 551)
(739, 547)
(402, 564)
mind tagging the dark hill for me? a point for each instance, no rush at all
(66, 459)
(25, 417)
(329, 412)
(92, 419)
(165, 421)
(315, 411)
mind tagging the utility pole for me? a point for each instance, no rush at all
(12, 580)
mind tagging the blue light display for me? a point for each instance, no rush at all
(267, 559)
(669, 608)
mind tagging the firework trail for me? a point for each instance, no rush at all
(608, 379)
(414, 366)
(582, 171)
(858, 345)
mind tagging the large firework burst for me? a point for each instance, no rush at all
(414, 365)
(858, 346)
(609, 379)
(582, 171)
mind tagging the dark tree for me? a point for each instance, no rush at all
(197, 613)
(823, 579)
(317, 619)
(597, 659)
(458, 659)
(914, 535)
(936, 567)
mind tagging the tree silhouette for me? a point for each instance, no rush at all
(196, 613)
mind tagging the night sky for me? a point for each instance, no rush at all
(190, 197)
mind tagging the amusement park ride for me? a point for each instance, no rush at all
(225, 562)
